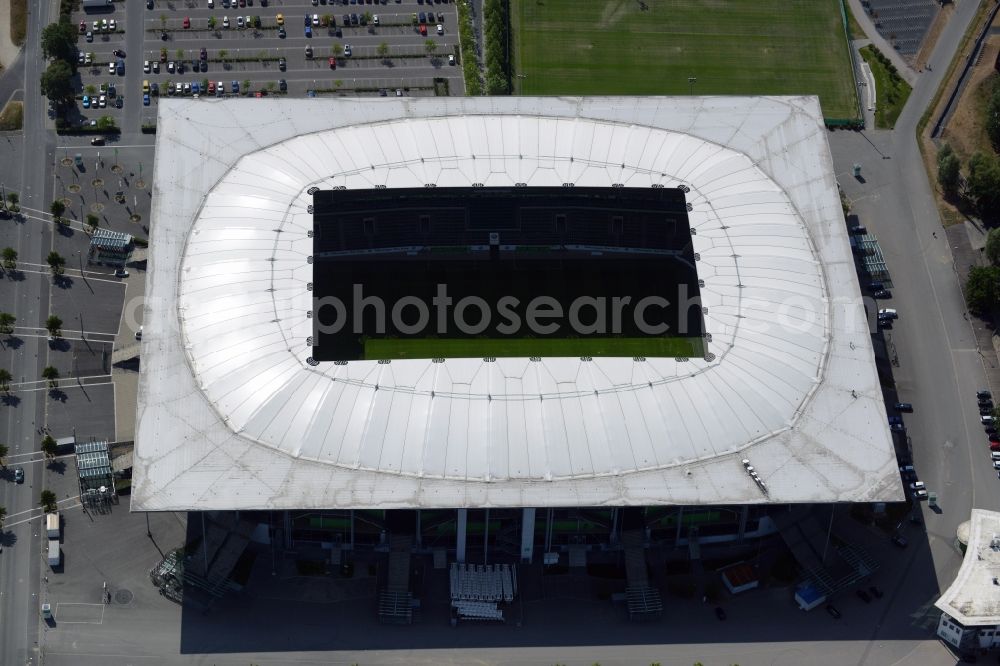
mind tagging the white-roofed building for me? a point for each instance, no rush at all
(970, 618)
(234, 414)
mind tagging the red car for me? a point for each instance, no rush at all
(994, 446)
(423, 29)
(333, 63)
(83, 27)
(211, 87)
(187, 23)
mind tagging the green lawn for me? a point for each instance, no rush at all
(891, 91)
(389, 348)
(736, 47)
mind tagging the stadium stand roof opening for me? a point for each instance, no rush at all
(235, 413)
(592, 253)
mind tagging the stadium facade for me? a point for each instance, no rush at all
(783, 406)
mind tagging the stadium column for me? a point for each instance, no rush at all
(743, 523)
(287, 523)
(463, 516)
(527, 534)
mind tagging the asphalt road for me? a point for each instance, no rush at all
(940, 367)
(19, 563)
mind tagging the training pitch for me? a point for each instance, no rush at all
(732, 47)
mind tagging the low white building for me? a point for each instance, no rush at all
(970, 618)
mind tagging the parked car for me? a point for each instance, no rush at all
(145, 99)
(225, 21)
(451, 59)
(236, 86)
(440, 29)
(983, 393)
(857, 230)
(280, 18)
(19, 475)
(900, 541)
(332, 62)
(903, 407)
(239, 21)
(994, 446)
(90, 36)
(86, 101)
(347, 50)
(187, 23)
(155, 89)
(204, 53)
(920, 494)
(309, 31)
(888, 313)
(283, 85)
(97, 141)
(281, 32)
(882, 293)
(309, 52)
(211, 87)
(282, 65)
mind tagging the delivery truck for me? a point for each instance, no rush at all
(55, 556)
(52, 525)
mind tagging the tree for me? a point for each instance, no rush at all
(55, 262)
(59, 41)
(163, 21)
(983, 184)
(47, 500)
(3, 515)
(326, 20)
(14, 200)
(9, 258)
(246, 85)
(57, 82)
(982, 289)
(993, 117)
(993, 246)
(52, 374)
(337, 50)
(93, 221)
(383, 50)
(5, 378)
(54, 325)
(271, 85)
(57, 208)
(49, 447)
(7, 323)
(949, 171)
(91, 89)
(222, 54)
(105, 123)
(3, 455)
(180, 54)
(430, 46)
(211, 23)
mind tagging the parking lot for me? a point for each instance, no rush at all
(258, 47)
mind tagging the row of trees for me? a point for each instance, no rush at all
(59, 45)
(981, 185)
(993, 116)
(497, 37)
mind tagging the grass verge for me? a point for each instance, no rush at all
(12, 116)
(396, 348)
(18, 21)
(891, 91)
(853, 27)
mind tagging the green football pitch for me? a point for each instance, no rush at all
(398, 348)
(732, 47)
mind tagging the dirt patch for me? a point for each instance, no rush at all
(933, 32)
(18, 21)
(966, 130)
(12, 116)
(613, 13)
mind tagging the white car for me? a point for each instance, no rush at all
(90, 58)
(440, 29)
(225, 21)
(156, 67)
(112, 26)
(347, 50)
(102, 101)
(918, 485)
(888, 313)
(211, 4)
(920, 494)
(239, 21)
(146, 67)
(996, 464)
(375, 19)
(179, 88)
(451, 60)
(138, 334)
(111, 68)
(170, 67)
(315, 19)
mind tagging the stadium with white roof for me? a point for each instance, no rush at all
(235, 413)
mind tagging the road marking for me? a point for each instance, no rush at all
(40, 513)
(56, 613)
(134, 145)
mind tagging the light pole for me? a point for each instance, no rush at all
(691, 81)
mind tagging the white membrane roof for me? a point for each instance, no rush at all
(231, 415)
(973, 599)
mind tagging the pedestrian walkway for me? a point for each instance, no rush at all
(8, 49)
